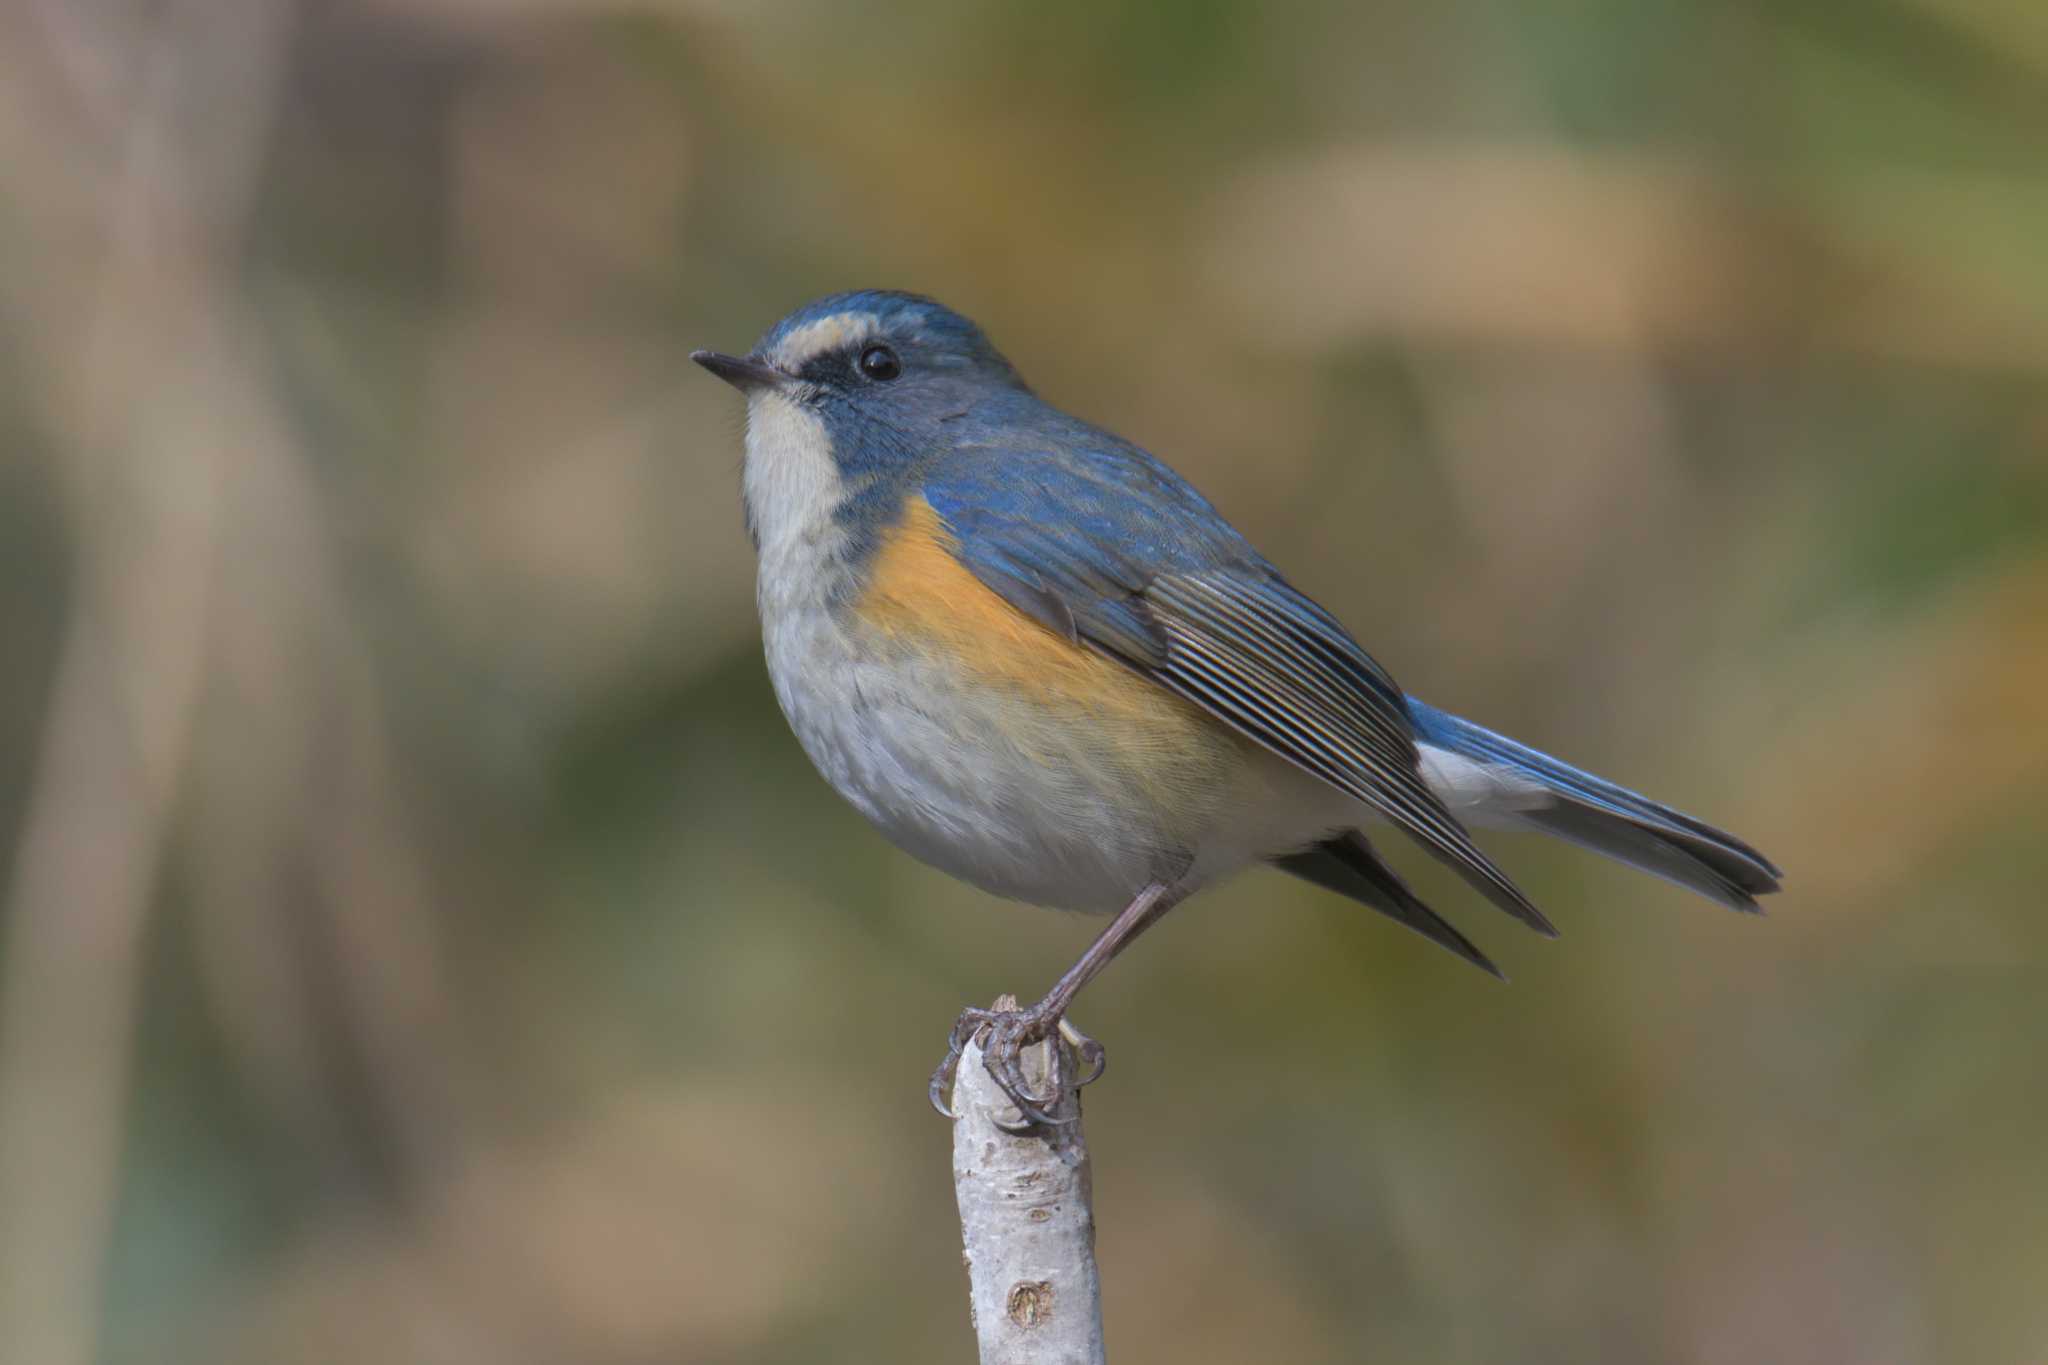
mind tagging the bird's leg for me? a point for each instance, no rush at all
(1005, 1033)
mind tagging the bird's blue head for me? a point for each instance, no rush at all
(872, 356)
(846, 395)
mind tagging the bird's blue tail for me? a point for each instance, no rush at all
(1596, 814)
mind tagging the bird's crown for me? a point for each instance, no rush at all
(840, 323)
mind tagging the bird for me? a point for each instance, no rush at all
(1036, 658)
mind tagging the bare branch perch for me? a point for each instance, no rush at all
(1027, 1220)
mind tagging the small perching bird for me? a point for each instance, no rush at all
(1037, 659)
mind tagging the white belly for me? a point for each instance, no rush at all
(933, 761)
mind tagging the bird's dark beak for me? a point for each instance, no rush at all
(744, 372)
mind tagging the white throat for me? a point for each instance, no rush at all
(792, 488)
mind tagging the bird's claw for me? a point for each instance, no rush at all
(1003, 1036)
(1087, 1049)
(1003, 1054)
(972, 1020)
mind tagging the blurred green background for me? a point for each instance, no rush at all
(423, 941)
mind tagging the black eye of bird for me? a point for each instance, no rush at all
(880, 363)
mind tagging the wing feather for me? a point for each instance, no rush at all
(1301, 704)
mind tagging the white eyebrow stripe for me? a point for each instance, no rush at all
(822, 337)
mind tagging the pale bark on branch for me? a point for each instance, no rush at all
(1027, 1221)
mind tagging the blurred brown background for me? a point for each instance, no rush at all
(423, 942)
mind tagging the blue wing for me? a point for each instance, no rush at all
(1139, 566)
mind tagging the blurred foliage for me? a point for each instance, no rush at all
(424, 942)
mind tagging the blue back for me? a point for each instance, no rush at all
(1071, 519)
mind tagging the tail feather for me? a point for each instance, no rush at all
(1351, 866)
(1642, 847)
(1599, 815)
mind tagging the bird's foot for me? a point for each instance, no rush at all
(1003, 1033)
(1087, 1049)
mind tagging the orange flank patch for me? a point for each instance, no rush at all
(920, 595)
